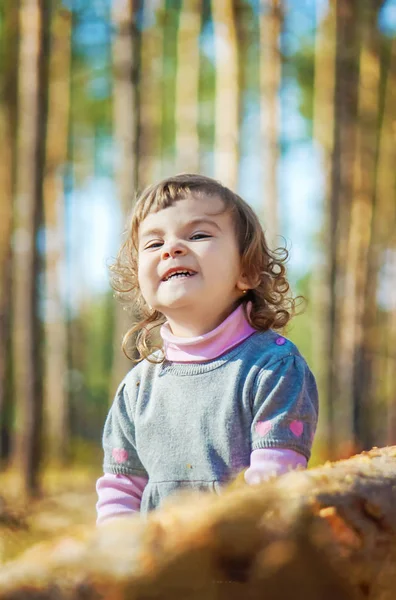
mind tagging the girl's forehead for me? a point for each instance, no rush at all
(185, 209)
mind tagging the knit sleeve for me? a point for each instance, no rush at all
(285, 406)
(119, 441)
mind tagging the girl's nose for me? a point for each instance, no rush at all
(172, 250)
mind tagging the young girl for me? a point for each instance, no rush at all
(225, 392)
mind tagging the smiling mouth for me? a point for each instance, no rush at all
(179, 275)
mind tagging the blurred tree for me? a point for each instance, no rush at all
(56, 394)
(126, 75)
(27, 335)
(8, 127)
(187, 85)
(351, 231)
(271, 16)
(380, 341)
(358, 232)
(388, 379)
(151, 92)
(168, 19)
(341, 193)
(227, 97)
(359, 292)
(206, 92)
(323, 125)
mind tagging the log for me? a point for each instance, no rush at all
(321, 534)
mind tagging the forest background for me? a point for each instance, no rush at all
(292, 103)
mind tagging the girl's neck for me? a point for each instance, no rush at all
(193, 326)
(231, 332)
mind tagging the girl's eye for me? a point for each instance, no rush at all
(153, 245)
(200, 236)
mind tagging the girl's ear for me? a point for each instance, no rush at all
(246, 283)
(242, 288)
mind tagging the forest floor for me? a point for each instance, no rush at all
(67, 504)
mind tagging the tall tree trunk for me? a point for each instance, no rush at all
(388, 348)
(323, 128)
(126, 123)
(361, 296)
(342, 168)
(56, 394)
(187, 87)
(27, 342)
(8, 128)
(383, 249)
(271, 18)
(226, 152)
(151, 60)
(73, 381)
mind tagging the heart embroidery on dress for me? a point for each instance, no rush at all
(120, 455)
(263, 427)
(297, 427)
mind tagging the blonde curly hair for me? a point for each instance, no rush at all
(272, 305)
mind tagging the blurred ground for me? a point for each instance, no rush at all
(67, 503)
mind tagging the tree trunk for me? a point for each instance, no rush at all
(323, 533)
(27, 338)
(342, 169)
(226, 152)
(56, 393)
(271, 18)
(8, 128)
(187, 87)
(356, 368)
(150, 107)
(126, 124)
(389, 359)
(323, 128)
(383, 250)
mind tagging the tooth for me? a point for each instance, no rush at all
(178, 273)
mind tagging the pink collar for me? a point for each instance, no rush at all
(231, 332)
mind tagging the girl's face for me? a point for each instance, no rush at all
(189, 265)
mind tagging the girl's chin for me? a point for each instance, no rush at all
(174, 301)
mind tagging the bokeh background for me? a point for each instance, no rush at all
(292, 103)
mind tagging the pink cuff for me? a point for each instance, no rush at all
(118, 495)
(266, 462)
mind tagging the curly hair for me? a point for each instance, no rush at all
(271, 303)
